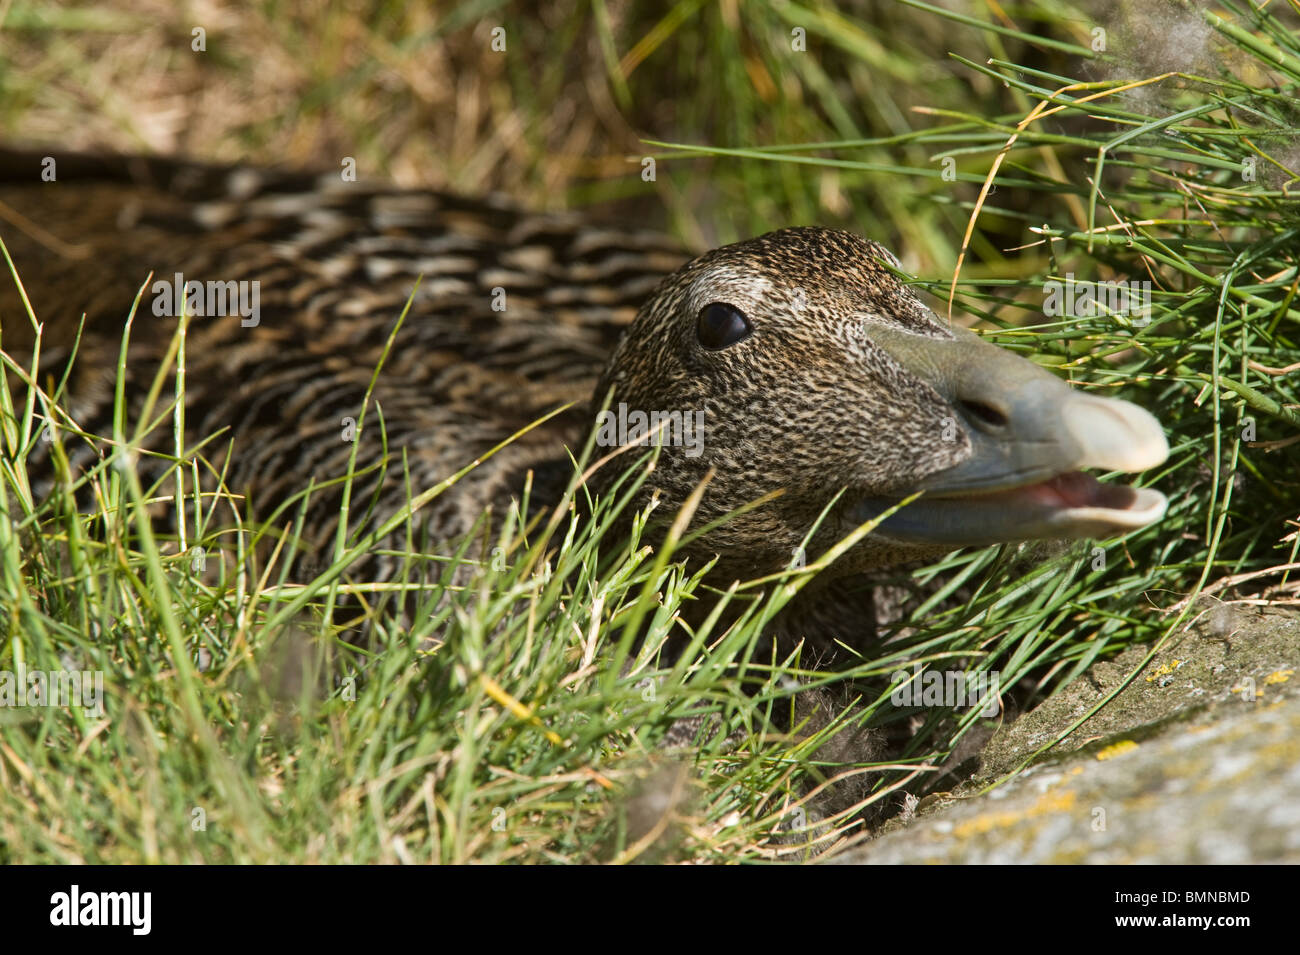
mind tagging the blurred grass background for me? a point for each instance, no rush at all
(418, 95)
(561, 117)
(749, 133)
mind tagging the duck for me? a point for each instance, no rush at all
(798, 369)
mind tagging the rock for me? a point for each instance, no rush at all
(1196, 760)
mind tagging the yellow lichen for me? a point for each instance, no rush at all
(1164, 670)
(1116, 749)
(986, 822)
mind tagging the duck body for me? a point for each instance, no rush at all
(513, 317)
(819, 378)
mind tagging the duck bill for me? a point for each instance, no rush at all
(1030, 436)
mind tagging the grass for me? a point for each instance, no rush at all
(239, 704)
(513, 718)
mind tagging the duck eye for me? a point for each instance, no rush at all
(721, 325)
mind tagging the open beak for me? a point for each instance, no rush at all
(1030, 435)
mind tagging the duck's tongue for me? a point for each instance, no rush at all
(1073, 490)
(1073, 505)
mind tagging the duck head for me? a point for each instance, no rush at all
(797, 362)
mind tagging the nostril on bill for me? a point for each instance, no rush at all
(984, 415)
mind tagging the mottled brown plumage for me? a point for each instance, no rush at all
(336, 262)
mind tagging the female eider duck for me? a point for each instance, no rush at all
(815, 372)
